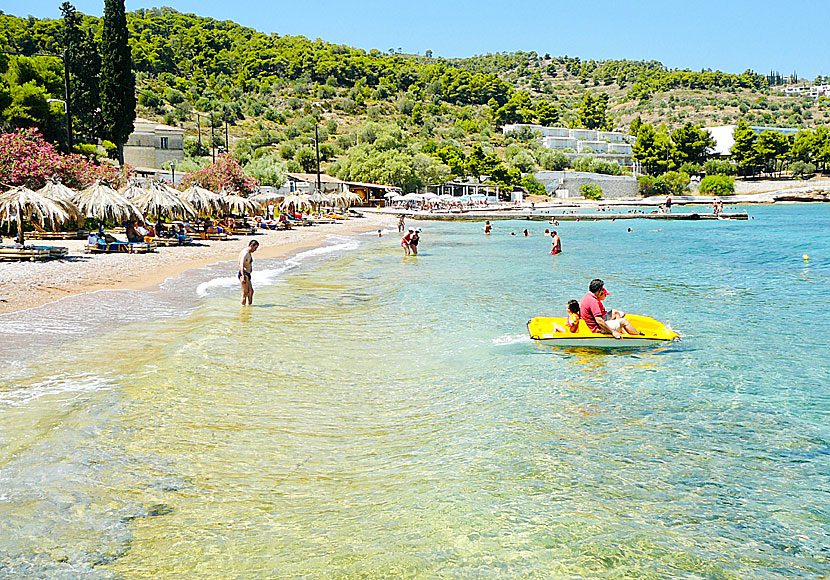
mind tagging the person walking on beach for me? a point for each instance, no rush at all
(668, 204)
(400, 224)
(246, 266)
(556, 243)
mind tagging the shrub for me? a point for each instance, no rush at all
(532, 185)
(553, 160)
(225, 174)
(717, 185)
(718, 167)
(802, 169)
(590, 191)
(590, 164)
(676, 182)
(690, 168)
(649, 185)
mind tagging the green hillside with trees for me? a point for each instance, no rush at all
(400, 119)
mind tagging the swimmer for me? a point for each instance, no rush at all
(487, 228)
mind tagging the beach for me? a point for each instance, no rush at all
(30, 284)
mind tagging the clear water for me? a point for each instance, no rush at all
(381, 417)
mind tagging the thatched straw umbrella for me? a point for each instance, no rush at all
(239, 205)
(296, 200)
(162, 201)
(34, 205)
(350, 198)
(204, 201)
(267, 197)
(132, 190)
(54, 189)
(102, 202)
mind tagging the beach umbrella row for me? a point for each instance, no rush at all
(34, 205)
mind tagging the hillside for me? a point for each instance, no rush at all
(399, 118)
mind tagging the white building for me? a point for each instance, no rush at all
(152, 144)
(607, 145)
(724, 136)
(814, 91)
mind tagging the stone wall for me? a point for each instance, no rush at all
(562, 183)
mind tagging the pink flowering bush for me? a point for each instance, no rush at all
(225, 174)
(27, 159)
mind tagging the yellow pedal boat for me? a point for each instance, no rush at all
(654, 333)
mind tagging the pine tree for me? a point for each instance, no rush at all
(117, 78)
(84, 64)
(744, 151)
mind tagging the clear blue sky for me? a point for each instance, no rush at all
(730, 35)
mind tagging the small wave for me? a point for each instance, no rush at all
(384, 231)
(507, 339)
(23, 395)
(271, 276)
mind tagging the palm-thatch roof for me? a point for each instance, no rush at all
(204, 201)
(102, 202)
(162, 201)
(239, 205)
(34, 206)
(266, 197)
(54, 189)
(132, 190)
(296, 200)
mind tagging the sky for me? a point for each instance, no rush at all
(727, 35)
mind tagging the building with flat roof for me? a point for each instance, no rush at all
(607, 145)
(152, 144)
(724, 136)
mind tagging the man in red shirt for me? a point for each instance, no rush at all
(597, 319)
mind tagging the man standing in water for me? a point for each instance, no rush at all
(556, 244)
(246, 266)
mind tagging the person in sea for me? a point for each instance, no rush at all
(597, 319)
(487, 228)
(413, 241)
(400, 224)
(556, 243)
(668, 204)
(525, 233)
(406, 240)
(572, 320)
(246, 266)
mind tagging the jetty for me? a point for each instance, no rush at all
(482, 215)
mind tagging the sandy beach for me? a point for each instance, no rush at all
(30, 284)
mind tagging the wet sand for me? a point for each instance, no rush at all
(30, 284)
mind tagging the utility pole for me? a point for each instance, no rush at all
(317, 146)
(212, 139)
(199, 129)
(227, 145)
(67, 93)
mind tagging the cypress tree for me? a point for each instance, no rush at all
(84, 65)
(117, 77)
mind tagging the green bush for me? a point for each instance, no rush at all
(802, 169)
(648, 186)
(718, 167)
(676, 182)
(717, 185)
(532, 185)
(690, 168)
(553, 160)
(590, 164)
(590, 191)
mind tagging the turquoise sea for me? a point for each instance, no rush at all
(375, 416)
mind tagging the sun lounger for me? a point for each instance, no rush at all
(32, 253)
(172, 241)
(76, 235)
(121, 247)
(243, 230)
(215, 236)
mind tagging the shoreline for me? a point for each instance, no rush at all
(29, 285)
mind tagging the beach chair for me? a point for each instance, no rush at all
(215, 236)
(121, 247)
(176, 241)
(32, 253)
(44, 235)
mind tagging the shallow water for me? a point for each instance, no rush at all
(375, 416)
